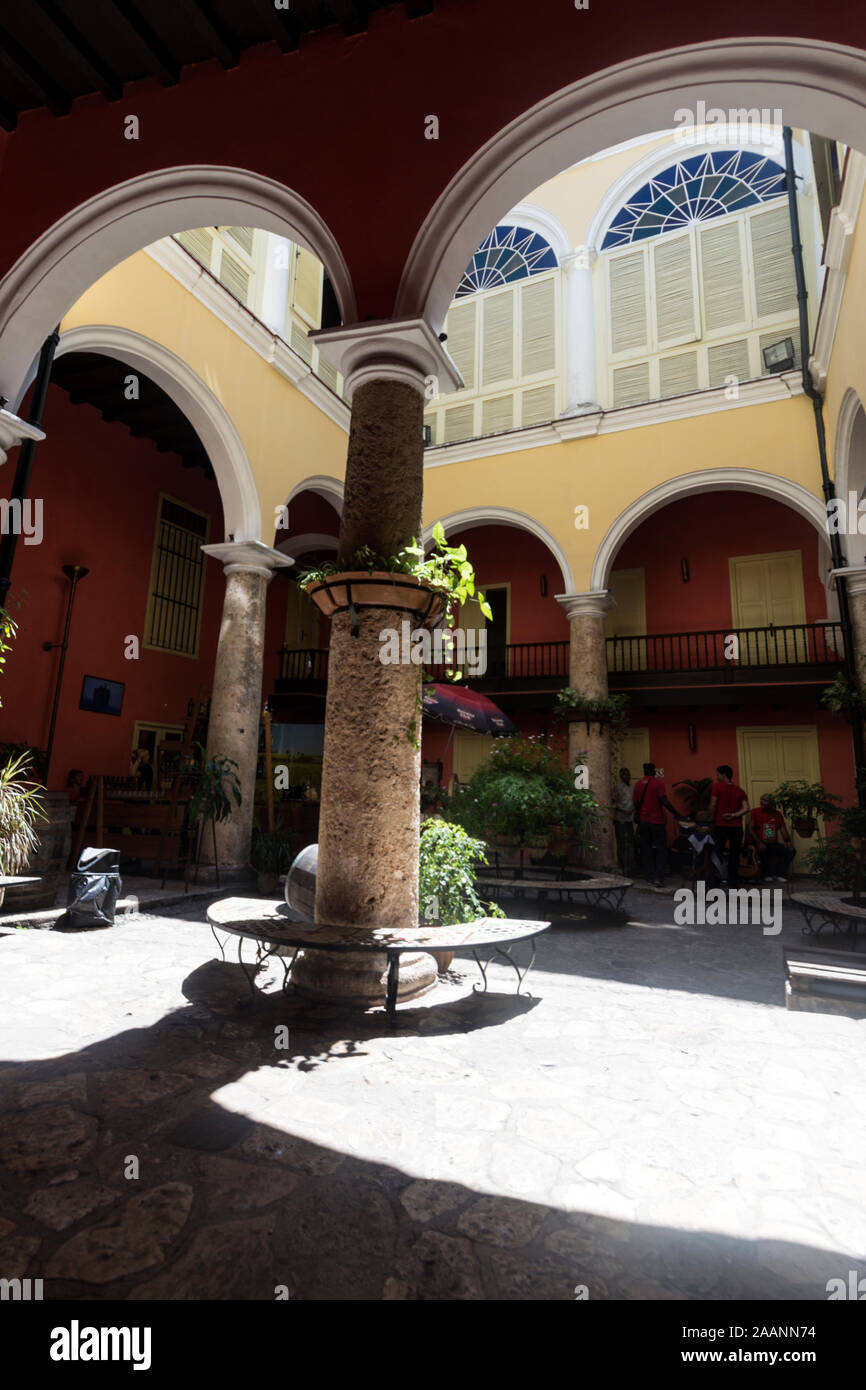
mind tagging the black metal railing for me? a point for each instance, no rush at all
(518, 661)
(306, 664)
(795, 644)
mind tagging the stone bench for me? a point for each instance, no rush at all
(603, 891)
(824, 910)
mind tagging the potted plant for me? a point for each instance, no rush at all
(695, 791)
(448, 859)
(216, 791)
(268, 856)
(803, 802)
(608, 709)
(20, 810)
(425, 586)
(840, 860)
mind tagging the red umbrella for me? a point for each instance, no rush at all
(465, 709)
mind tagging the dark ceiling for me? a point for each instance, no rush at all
(52, 51)
(91, 378)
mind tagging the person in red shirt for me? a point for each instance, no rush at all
(650, 804)
(728, 805)
(769, 832)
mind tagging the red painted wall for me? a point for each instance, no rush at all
(504, 554)
(706, 531)
(100, 489)
(364, 163)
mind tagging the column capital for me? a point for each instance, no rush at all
(855, 575)
(248, 557)
(14, 431)
(389, 350)
(581, 258)
(594, 603)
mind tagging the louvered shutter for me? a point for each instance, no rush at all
(538, 335)
(678, 374)
(673, 282)
(728, 359)
(497, 345)
(327, 371)
(458, 423)
(631, 384)
(307, 294)
(773, 263)
(628, 314)
(538, 406)
(460, 328)
(302, 345)
(234, 276)
(497, 414)
(243, 236)
(198, 243)
(722, 276)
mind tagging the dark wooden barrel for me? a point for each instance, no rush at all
(301, 883)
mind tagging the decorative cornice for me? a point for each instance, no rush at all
(389, 350)
(593, 603)
(14, 431)
(837, 255)
(248, 557)
(782, 386)
(854, 576)
(183, 267)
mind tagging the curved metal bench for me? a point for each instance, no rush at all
(603, 891)
(823, 910)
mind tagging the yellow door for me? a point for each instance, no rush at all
(627, 619)
(767, 591)
(470, 751)
(633, 753)
(770, 756)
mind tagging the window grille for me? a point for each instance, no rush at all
(177, 578)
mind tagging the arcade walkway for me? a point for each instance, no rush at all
(654, 1125)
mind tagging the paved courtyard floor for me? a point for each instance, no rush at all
(650, 1124)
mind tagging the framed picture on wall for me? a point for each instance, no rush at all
(101, 696)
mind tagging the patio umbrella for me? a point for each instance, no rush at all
(465, 709)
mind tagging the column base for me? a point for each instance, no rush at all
(233, 874)
(359, 979)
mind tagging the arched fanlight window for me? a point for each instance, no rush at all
(506, 255)
(696, 189)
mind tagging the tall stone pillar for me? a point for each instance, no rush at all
(587, 672)
(581, 390)
(236, 695)
(855, 577)
(369, 814)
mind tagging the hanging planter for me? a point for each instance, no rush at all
(353, 590)
(609, 710)
(805, 826)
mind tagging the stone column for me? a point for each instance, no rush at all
(582, 394)
(236, 695)
(855, 577)
(587, 672)
(369, 815)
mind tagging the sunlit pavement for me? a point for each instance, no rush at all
(651, 1123)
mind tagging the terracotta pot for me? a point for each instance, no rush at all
(443, 960)
(805, 826)
(377, 590)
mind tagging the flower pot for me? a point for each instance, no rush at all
(48, 861)
(443, 960)
(269, 884)
(805, 826)
(381, 589)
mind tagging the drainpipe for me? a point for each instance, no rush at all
(25, 458)
(828, 489)
(74, 573)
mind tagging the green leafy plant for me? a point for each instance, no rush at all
(806, 801)
(448, 862)
(696, 793)
(446, 568)
(608, 709)
(840, 860)
(844, 697)
(8, 629)
(523, 792)
(269, 853)
(36, 759)
(20, 810)
(216, 788)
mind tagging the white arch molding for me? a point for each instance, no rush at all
(464, 520)
(850, 448)
(770, 485)
(85, 243)
(207, 415)
(536, 219)
(329, 489)
(817, 86)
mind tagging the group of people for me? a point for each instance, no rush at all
(639, 823)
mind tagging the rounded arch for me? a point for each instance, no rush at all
(818, 86)
(207, 415)
(537, 219)
(464, 520)
(329, 489)
(850, 451)
(689, 485)
(84, 244)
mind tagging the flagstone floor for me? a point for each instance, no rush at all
(651, 1124)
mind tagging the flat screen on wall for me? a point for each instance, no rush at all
(101, 696)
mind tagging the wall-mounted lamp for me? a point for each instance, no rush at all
(684, 571)
(542, 585)
(693, 738)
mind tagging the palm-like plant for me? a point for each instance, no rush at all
(20, 810)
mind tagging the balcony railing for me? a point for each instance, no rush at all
(733, 651)
(728, 649)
